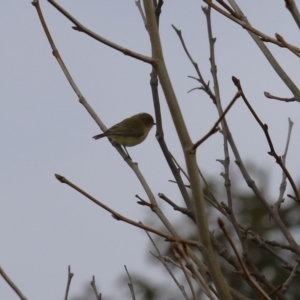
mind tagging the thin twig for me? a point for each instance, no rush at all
(205, 86)
(179, 167)
(93, 284)
(161, 140)
(283, 181)
(163, 261)
(70, 276)
(178, 257)
(183, 210)
(237, 18)
(119, 217)
(130, 284)
(283, 42)
(244, 268)
(139, 6)
(12, 284)
(272, 151)
(79, 27)
(268, 95)
(243, 21)
(288, 281)
(159, 125)
(227, 137)
(204, 284)
(64, 68)
(215, 127)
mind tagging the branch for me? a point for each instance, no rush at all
(190, 159)
(82, 100)
(291, 6)
(12, 284)
(130, 285)
(176, 207)
(161, 259)
(238, 18)
(288, 281)
(244, 268)
(272, 151)
(268, 95)
(119, 217)
(283, 42)
(205, 86)
(93, 284)
(255, 34)
(182, 267)
(79, 27)
(70, 276)
(61, 63)
(215, 128)
(283, 181)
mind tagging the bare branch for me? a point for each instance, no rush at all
(283, 181)
(176, 207)
(79, 27)
(93, 284)
(130, 285)
(244, 268)
(283, 42)
(272, 151)
(242, 20)
(12, 284)
(163, 261)
(268, 95)
(215, 128)
(139, 6)
(238, 18)
(288, 281)
(70, 276)
(119, 217)
(291, 6)
(205, 86)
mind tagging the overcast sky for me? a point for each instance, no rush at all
(45, 225)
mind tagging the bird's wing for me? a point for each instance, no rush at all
(125, 130)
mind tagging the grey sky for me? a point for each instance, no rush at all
(45, 225)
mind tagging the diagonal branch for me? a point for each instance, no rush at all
(272, 151)
(291, 6)
(12, 284)
(214, 129)
(79, 27)
(120, 217)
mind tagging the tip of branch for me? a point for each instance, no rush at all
(177, 30)
(235, 81)
(76, 28)
(35, 2)
(59, 177)
(220, 222)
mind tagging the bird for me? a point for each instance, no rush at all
(129, 132)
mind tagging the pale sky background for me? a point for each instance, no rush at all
(45, 225)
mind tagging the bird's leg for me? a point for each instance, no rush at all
(128, 156)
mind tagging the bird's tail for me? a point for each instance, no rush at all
(98, 136)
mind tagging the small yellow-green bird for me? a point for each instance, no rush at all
(130, 132)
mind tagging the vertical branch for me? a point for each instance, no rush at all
(225, 129)
(283, 181)
(190, 158)
(160, 132)
(70, 276)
